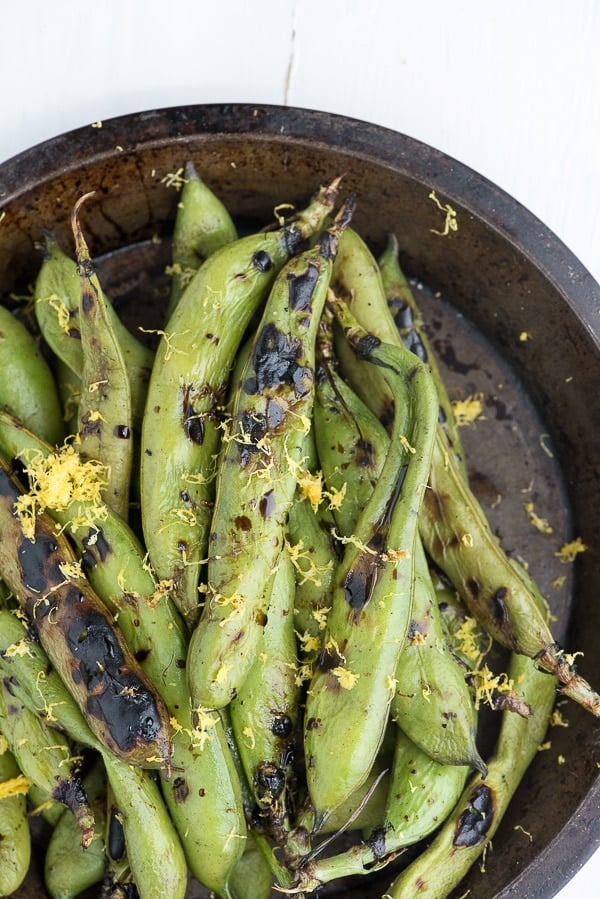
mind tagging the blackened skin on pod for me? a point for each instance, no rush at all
(269, 781)
(97, 547)
(39, 564)
(301, 288)
(117, 695)
(476, 820)
(115, 843)
(376, 842)
(254, 426)
(275, 363)
(262, 261)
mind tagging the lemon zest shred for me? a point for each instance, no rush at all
(568, 552)
(468, 411)
(540, 524)
(14, 786)
(347, 679)
(450, 223)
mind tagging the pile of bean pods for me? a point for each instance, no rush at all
(247, 598)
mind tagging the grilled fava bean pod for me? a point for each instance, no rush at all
(57, 293)
(357, 280)
(15, 839)
(372, 598)
(265, 712)
(351, 442)
(477, 815)
(458, 538)
(45, 758)
(122, 707)
(409, 322)
(69, 869)
(257, 474)
(104, 418)
(27, 386)
(181, 432)
(154, 850)
(202, 225)
(432, 703)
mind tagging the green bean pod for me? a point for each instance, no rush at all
(122, 707)
(182, 425)
(432, 703)
(357, 280)
(104, 416)
(202, 225)
(458, 538)
(15, 839)
(45, 758)
(154, 850)
(69, 869)
(265, 712)
(409, 322)
(251, 877)
(477, 815)
(313, 552)
(372, 600)
(57, 293)
(27, 385)
(351, 442)
(257, 475)
(421, 794)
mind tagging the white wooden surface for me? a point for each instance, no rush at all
(510, 88)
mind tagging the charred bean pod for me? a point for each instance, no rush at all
(57, 293)
(202, 225)
(409, 322)
(372, 599)
(45, 758)
(122, 707)
(69, 869)
(104, 416)
(257, 475)
(265, 712)
(458, 538)
(181, 431)
(432, 703)
(351, 442)
(357, 280)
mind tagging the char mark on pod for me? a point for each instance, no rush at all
(96, 546)
(115, 843)
(275, 363)
(117, 697)
(377, 843)
(39, 563)
(360, 580)
(301, 288)
(252, 429)
(476, 820)
(193, 425)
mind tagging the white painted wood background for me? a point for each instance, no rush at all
(509, 87)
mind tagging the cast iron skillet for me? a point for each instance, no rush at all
(502, 274)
